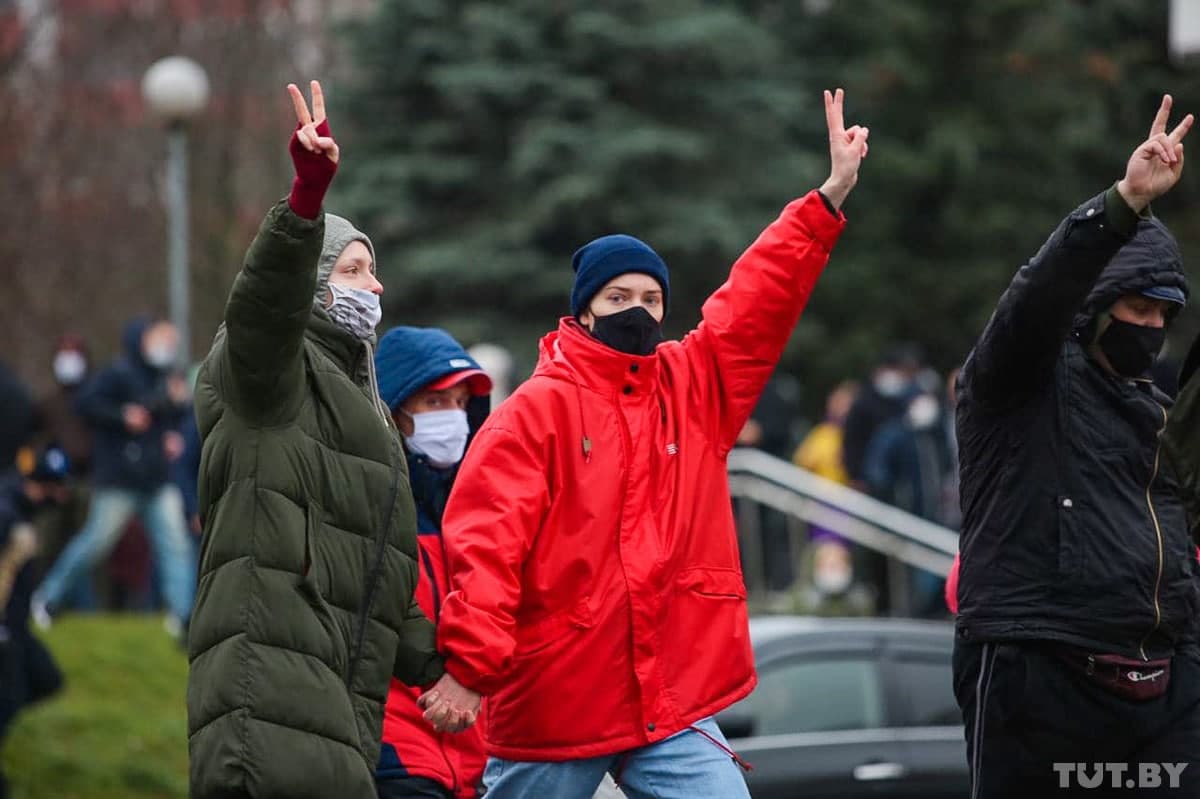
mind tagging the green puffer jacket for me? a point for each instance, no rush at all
(304, 609)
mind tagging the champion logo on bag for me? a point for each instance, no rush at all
(1140, 676)
(672, 449)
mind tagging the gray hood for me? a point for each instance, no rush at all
(338, 234)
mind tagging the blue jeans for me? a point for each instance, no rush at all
(685, 766)
(161, 512)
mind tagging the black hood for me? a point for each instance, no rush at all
(1151, 258)
(131, 340)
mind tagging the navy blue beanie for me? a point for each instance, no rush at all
(602, 259)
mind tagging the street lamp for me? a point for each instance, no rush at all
(176, 89)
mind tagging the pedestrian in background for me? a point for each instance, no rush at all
(135, 417)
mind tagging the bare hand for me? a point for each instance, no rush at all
(177, 390)
(307, 134)
(137, 419)
(847, 149)
(450, 706)
(1155, 166)
(173, 446)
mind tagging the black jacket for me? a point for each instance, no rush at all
(17, 419)
(28, 672)
(121, 459)
(1073, 528)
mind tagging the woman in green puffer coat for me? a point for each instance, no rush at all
(304, 609)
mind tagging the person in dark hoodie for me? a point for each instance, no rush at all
(28, 673)
(438, 396)
(1077, 594)
(135, 416)
(308, 557)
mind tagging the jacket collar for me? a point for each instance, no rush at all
(589, 363)
(334, 341)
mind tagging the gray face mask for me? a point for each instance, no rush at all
(355, 310)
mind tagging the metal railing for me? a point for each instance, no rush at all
(757, 478)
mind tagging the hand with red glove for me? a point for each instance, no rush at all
(314, 153)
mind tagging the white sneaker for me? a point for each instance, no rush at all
(173, 626)
(40, 614)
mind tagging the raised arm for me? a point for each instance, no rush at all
(747, 322)
(1018, 349)
(272, 296)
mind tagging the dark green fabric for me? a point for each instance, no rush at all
(304, 609)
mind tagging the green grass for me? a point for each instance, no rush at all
(119, 728)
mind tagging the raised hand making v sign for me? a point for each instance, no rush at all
(847, 149)
(314, 153)
(1155, 166)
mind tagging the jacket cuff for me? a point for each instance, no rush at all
(468, 678)
(1123, 219)
(812, 212)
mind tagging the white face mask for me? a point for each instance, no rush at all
(70, 367)
(441, 436)
(355, 310)
(923, 411)
(890, 383)
(160, 356)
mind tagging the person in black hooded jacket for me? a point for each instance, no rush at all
(135, 409)
(1077, 623)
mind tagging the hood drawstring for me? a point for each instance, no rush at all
(587, 440)
(374, 383)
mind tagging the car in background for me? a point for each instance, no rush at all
(850, 707)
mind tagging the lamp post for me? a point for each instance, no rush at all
(176, 89)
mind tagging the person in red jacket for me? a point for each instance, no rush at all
(597, 597)
(435, 391)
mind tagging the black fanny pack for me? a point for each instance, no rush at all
(1128, 678)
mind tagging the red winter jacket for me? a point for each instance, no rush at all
(597, 596)
(411, 747)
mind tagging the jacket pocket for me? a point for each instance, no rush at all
(1070, 555)
(310, 588)
(706, 614)
(713, 583)
(536, 636)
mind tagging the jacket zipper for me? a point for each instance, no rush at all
(373, 579)
(1157, 533)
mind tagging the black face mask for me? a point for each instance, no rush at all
(1130, 348)
(634, 332)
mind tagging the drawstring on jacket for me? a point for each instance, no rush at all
(587, 440)
(623, 761)
(374, 383)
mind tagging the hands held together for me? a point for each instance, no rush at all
(449, 705)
